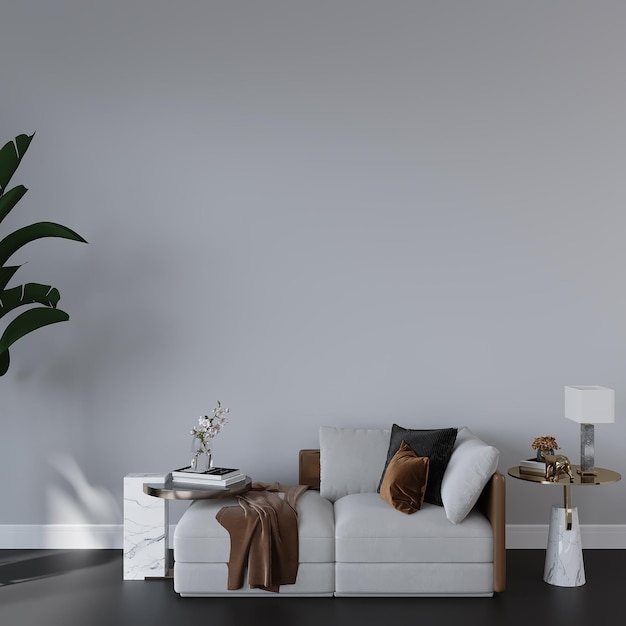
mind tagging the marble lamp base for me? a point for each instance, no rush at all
(564, 565)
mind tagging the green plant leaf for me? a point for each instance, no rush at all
(22, 142)
(10, 199)
(30, 293)
(29, 321)
(13, 242)
(11, 155)
(4, 362)
(6, 273)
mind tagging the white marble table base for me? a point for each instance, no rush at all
(564, 565)
(145, 529)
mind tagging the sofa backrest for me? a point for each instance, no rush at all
(352, 460)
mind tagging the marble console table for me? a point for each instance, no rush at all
(146, 519)
(564, 565)
(145, 529)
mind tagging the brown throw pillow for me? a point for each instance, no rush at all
(436, 444)
(404, 483)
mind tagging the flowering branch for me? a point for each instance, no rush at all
(208, 427)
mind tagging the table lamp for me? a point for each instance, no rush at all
(589, 405)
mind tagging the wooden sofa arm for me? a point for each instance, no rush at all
(309, 468)
(491, 503)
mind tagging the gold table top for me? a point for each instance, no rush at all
(177, 491)
(602, 477)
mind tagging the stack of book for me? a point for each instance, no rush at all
(217, 476)
(532, 466)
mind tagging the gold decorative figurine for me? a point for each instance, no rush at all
(556, 465)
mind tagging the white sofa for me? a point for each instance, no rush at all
(354, 543)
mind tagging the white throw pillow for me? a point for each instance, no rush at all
(351, 460)
(471, 465)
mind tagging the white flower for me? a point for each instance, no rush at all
(209, 427)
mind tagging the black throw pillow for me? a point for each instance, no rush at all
(435, 444)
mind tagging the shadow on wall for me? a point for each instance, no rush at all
(82, 515)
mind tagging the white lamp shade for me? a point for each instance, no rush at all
(589, 404)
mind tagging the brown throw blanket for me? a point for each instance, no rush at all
(263, 536)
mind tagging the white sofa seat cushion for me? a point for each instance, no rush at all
(368, 530)
(414, 579)
(200, 538)
(209, 579)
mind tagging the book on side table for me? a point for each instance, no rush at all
(218, 476)
(532, 466)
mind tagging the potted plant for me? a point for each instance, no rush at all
(546, 444)
(47, 297)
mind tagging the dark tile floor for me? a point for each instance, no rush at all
(85, 587)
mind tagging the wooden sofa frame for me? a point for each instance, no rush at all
(491, 503)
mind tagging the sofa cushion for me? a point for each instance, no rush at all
(368, 530)
(200, 538)
(471, 465)
(414, 579)
(404, 483)
(209, 579)
(351, 460)
(436, 444)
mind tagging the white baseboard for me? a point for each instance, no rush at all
(594, 536)
(110, 536)
(63, 536)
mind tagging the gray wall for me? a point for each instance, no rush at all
(341, 213)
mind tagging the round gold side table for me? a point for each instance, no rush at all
(564, 566)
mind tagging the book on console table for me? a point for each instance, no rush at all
(532, 466)
(213, 476)
(191, 483)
